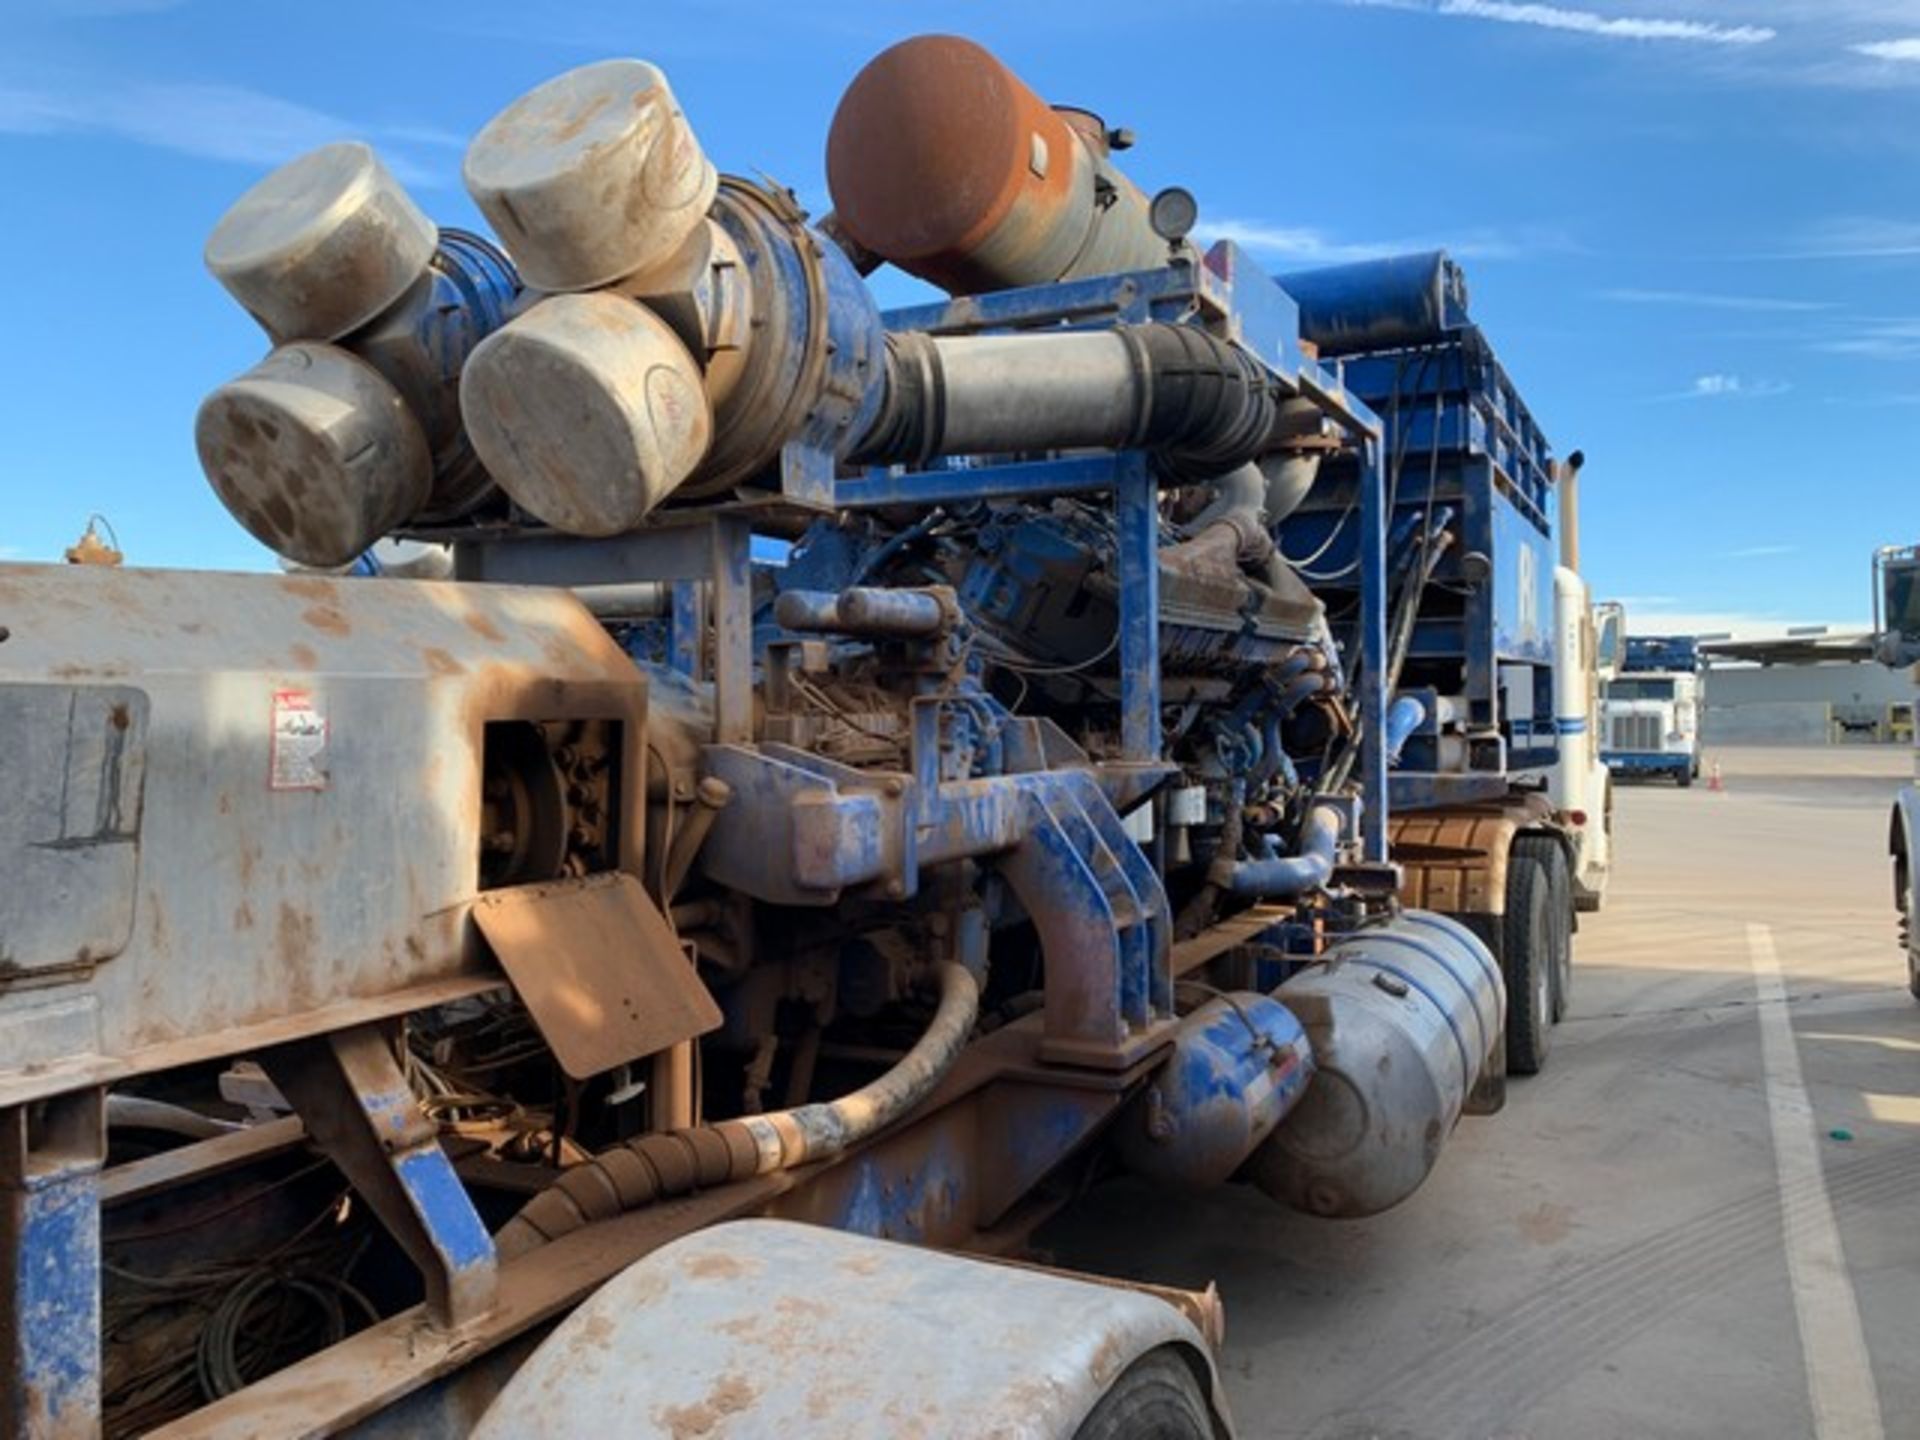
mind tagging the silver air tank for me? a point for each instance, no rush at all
(1403, 1018)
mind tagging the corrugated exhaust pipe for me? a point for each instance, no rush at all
(1203, 403)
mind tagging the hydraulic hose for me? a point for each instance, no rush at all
(662, 1166)
(1405, 717)
(1281, 877)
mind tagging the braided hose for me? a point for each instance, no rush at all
(679, 1162)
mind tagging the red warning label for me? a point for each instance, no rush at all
(299, 745)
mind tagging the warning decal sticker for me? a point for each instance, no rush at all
(299, 747)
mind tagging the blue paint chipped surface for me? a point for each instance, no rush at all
(57, 1309)
(443, 1204)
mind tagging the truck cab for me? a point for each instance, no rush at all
(1652, 710)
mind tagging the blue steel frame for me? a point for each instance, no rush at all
(1234, 297)
(50, 1265)
(1466, 448)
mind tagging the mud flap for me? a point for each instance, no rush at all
(598, 968)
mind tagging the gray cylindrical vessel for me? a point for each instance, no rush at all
(591, 177)
(314, 452)
(587, 410)
(1403, 1019)
(322, 245)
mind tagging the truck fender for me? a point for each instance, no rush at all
(769, 1327)
(1903, 830)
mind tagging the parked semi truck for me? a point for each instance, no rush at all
(1501, 806)
(540, 1000)
(1896, 643)
(1653, 710)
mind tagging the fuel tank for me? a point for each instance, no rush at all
(1403, 1018)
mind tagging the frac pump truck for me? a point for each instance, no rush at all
(626, 985)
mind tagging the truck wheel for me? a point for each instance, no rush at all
(1684, 779)
(1155, 1398)
(1552, 857)
(1527, 960)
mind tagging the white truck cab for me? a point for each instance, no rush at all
(1652, 710)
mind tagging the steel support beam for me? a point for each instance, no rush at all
(50, 1159)
(683, 628)
(348, 1088)
(1373, 651)
(1137, 520)
(730, 542)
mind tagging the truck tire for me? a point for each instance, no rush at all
(1903, 898)
(1526, 958)
(1684, 779)
(1156, 1398)
(1548, 852)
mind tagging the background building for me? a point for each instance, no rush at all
(1814, 686)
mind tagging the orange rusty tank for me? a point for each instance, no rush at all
(943, 162)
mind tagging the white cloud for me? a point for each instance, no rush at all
(1706, 301)
(1585, 22)
(1907, 50)
(1856, 237)
(1877, 339)
(1306, 245)
(1730, 387)
(1760, 552)
(215, 122)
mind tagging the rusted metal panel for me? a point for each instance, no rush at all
(309, 828)
(1455, 861)
(70, 830)
(765, 1328)
(598, 968)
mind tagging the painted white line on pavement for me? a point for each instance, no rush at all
(1839, 1372)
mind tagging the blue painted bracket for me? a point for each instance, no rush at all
(809, 828)
(1137, 521)
(1018, 480)
(1373, 653)
(683, 627)
(50, 1266)
(348, 1089)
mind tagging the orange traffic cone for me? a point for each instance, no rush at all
(1713, 777)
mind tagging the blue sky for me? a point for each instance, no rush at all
(1692, 229)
